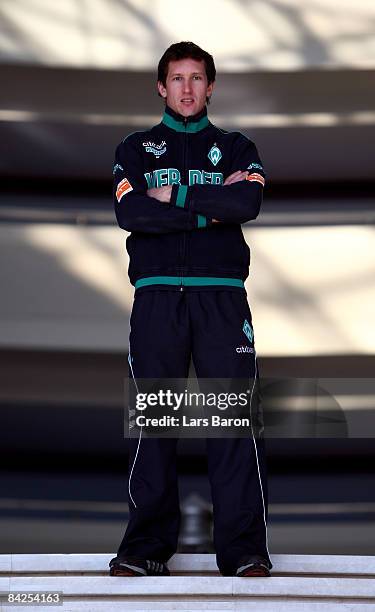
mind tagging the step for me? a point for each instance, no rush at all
(187, 564)
(298, 582)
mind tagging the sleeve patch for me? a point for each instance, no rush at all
(256, 177)
(117, 167)
(254, 166)
(122, 188)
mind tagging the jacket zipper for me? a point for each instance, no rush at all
(185, 178)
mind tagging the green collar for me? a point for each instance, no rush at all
(190, 127)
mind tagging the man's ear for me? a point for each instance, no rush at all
(161, 89)
(210, 89)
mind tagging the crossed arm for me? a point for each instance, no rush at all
(179, 207)
(163, 194)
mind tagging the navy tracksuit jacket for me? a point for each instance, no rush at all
(188, 263)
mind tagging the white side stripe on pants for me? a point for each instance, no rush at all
(256, 451)
(140, 432)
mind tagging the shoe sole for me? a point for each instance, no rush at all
(123, 572)
(128, 572)
(254, 572)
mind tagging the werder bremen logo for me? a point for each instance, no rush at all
(214, 155)
(247, 330)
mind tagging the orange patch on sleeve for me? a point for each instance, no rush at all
(122, 188)
(256, 177)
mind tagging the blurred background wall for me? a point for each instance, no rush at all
(76, 77)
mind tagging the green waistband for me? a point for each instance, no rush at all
(189, 281)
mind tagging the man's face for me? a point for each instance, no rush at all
(186, 86)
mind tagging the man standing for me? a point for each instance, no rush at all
(183, 189)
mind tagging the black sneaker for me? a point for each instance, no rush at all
(137, 566)
(254, 566)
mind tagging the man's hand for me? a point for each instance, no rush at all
(237, 176)
(163, 194)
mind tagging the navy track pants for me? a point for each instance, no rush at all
(168, 327)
